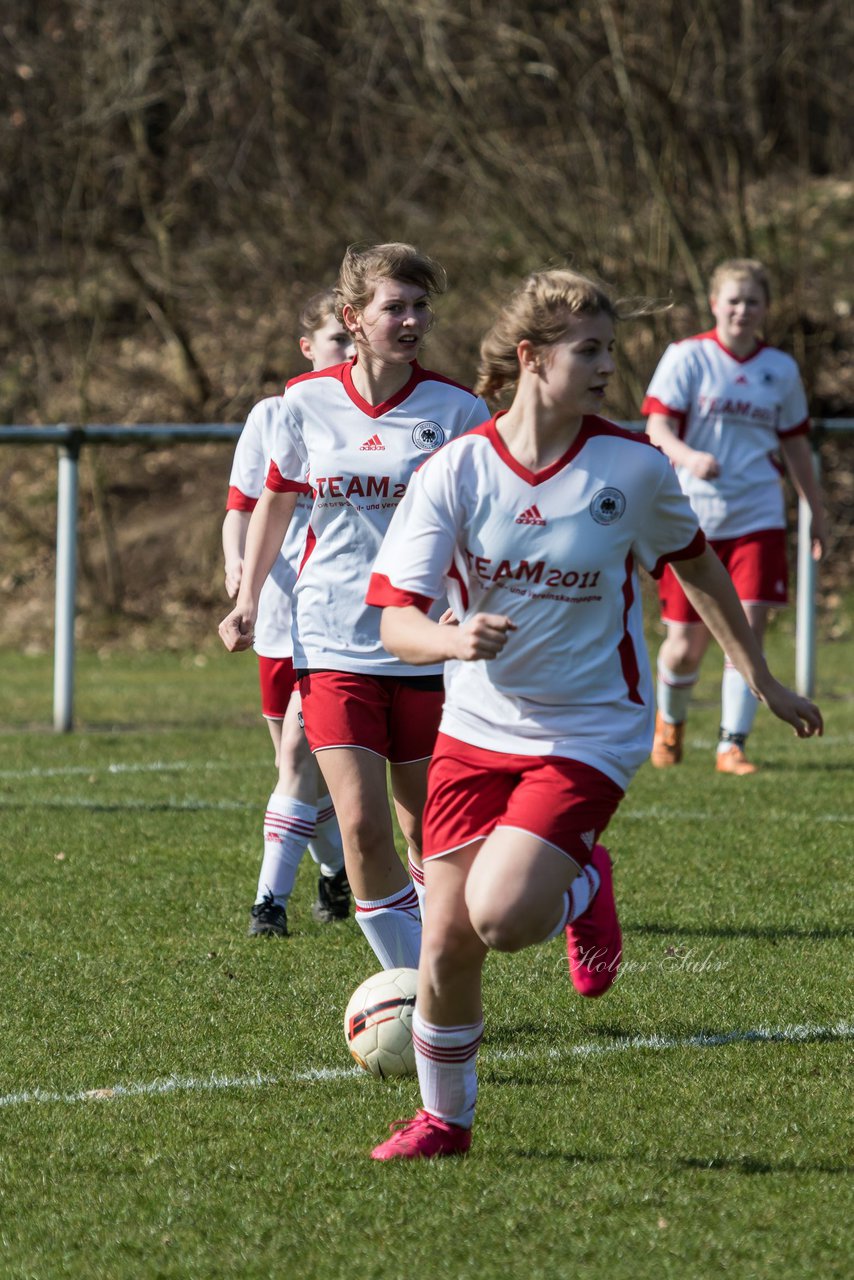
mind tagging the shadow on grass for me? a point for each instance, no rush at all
(742, 1164)
(748, 1165)
(768, 933)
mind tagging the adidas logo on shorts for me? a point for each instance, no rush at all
(531, 516)
(373, 443)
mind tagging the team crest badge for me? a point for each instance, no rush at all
(607, 505)
(428, 436)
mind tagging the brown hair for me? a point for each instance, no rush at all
(738, 269)
(317, 311)
(365, 265)
(538, 310)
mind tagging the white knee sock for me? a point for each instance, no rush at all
(446, 1058)
(325, 846)
(674, 693)
(416, 873)
(392, 927)
(577, 899)
(738, 708)
(288, 824)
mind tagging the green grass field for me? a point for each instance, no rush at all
(176, 1100)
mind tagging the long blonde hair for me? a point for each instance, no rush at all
(365, 265)
(538, 310)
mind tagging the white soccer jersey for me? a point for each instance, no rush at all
(737, 409)
(556, 551)
(357, 459)
(246, 483)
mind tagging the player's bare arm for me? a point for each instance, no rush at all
(664, 432)
(264, 537)
(413, 637)
(234, 528)
(797, 456)
(709, 588)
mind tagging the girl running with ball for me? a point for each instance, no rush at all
(534, 524)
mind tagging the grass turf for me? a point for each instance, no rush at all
(176, 1099)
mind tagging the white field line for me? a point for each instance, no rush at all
(177, 766)
(166, 802)
(697, 815)
(154, 766)
(256, 1080)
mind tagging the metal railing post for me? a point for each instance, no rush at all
(66, 583)
(805, 626)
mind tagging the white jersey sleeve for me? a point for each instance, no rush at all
(416, 558)
(249, 468)
(674, 383)
(249, 465)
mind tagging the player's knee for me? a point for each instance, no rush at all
(498, 928)
(361, 829)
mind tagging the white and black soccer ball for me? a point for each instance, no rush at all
(378, 1023)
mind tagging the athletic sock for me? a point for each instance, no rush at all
(446, 1059)
(392, 927)
(738, 708)
(326, 846)
(287, 826)
(416, 871)
(673, 693)
(577, 899)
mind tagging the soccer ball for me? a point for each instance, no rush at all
(378, 1023)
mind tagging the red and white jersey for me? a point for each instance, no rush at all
(246, 483)
(357, 460)
(737, 409)
(556, 551)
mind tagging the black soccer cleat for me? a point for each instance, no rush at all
(333, 898)
(268, 919)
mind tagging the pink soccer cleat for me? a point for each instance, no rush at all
(594, 944)
(423, 1137)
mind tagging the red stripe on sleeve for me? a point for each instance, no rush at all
(695, 548)
(239, 501)
(382, 592)
(651, 405)
(277, 482)
(802, 429)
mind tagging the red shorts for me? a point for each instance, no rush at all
(394, 716)
(471, 791)
(277, 684)
(757, 564)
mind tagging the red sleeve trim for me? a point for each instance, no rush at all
(695, 548)
(237, 500)
(802, 429)
(382, 593)
(651, 405)
(277, 482)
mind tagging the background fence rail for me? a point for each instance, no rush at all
(70, 439)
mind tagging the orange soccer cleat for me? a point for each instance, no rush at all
(733, 760)
(667, 744)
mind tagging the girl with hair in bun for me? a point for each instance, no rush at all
(534, 524)
(351, 437)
